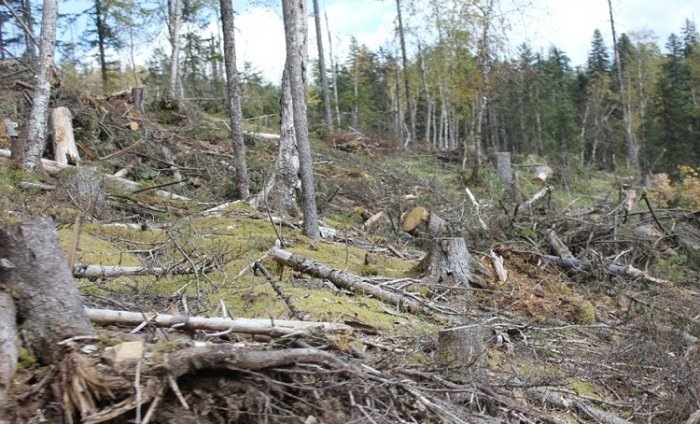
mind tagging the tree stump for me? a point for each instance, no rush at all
(447, 260)
(460, 350)
(85, 188)
(35, 271)
(541, 174)
(137, 98)
(64, 148)
(503, 167)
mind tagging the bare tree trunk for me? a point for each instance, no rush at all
(280, 191)
(36, 133)
(29, 32)
(407, 84)
(325, 93)
(234, 99)
(630, 142)
(296, 36)
(174, 22)
(48, 303)
(101, 32)
(334, 74)
(8, 345)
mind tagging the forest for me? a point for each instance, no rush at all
(443, 229)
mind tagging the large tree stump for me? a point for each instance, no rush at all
(8, 345)
(48, 303)
(447, 260)
(85, 188)
(503, 167)
(64, 148)
(460, 350)
(137, 98)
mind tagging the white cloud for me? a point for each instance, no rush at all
(260, 41)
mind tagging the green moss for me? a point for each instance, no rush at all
(25, 359)
(583, 389)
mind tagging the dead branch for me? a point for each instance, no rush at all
(541, 194)
(613, 268)
(559, 247)
(346, 280)
(120, 183)
(296, 313)
(269, 327)
(549, 396)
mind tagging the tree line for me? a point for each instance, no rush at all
(444, 83)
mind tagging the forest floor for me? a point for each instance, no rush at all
(553, 345)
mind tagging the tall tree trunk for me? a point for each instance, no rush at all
(325, 93)
(296, 38)
(234, 99)
(174, 22)
(407, 84)
(280, 191)
(334, 73)
(29, 33)
(36, 133)
(630, 142)
(101, 31)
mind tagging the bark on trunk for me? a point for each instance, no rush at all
(295, 37)
(407, 84)
(234, 99)
(175, 18)
(503, 167)
(325, 92)
(461, 349)
(137, 99)
(48, 303)
(36, 132)
(65, 150)
(8, 345)
(447, 260)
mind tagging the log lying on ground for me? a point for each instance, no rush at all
(541, 174)
(541, 194)
(613, 268)
(420, 222)
(65, 150)
(111, 271)
(117, 182)
(8, 346)
(344, 280)
(447, 260)
(561, 249)
(36, 273)
(268, 327)
(549, 396)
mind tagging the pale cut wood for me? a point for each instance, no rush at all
(695, 418)
(420, 222)
(116, 182)
(498, 265)
(65, 150)
(8, 345)
(48, 303)
(269, 327)
(111, 271)
(541, 174)
(344, 279)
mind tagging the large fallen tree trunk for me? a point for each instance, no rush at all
(36, 273)
(345, 280)
(117, 182)
(268, 327)
(111, 271)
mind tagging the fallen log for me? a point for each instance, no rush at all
(111, 271)
(345, 280)
(270, 327)
(613, 268)
(559, 247)
(549, 396)
(116, 182)
(541, 194)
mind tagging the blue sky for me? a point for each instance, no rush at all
(568, 24)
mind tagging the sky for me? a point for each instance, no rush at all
(567, 24)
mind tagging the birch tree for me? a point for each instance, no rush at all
(174, 23)
(36, 132)
(296, 43)
(234, 98)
